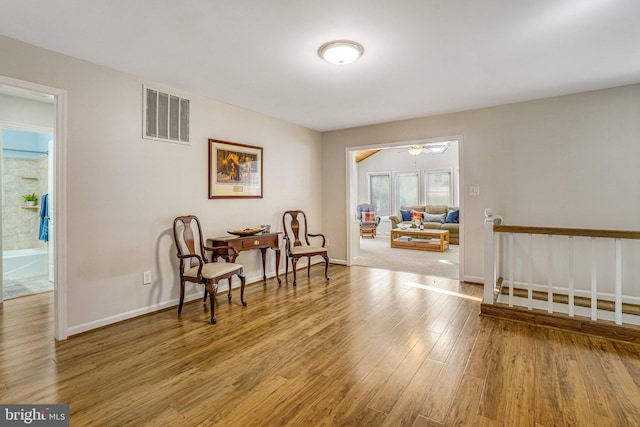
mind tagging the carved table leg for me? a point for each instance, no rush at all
(278, 265)
(242, 283)
(263, 251)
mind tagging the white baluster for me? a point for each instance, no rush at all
(571, 280)
(618, 282)
(512, 256)
(530, 281)
(489, 260)
(550, 275)
(594, 280)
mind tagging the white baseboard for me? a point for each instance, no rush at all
(224, 287)
(474, 279)
(105, 321)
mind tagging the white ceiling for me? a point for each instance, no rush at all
(422, 57)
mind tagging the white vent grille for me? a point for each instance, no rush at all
(166, 117)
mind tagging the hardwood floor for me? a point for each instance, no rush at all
(371, 347)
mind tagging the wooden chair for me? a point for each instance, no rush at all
(195, 266)
(294, 224)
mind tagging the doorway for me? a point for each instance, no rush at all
(389, 176)
(40, 110)
(26, 185)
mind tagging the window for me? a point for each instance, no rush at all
(407, 188)
(437, 187)
(379, 192)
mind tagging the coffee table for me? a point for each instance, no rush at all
(423, 240)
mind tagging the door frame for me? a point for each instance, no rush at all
(25, 128)
(352, 192)
(59, 199)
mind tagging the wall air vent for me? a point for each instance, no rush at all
(166, 116)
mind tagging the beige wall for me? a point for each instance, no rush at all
(20, 111)
(565, 161)
(568, 161)
(124, 191)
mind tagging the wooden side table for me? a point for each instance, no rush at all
(261, 241)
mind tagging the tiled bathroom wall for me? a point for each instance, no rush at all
(20, 223)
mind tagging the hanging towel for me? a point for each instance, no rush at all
(43, 233)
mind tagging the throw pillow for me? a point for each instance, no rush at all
(368, 217)
(434, 218)
(415, 215)
(406, 215)
(453, 217)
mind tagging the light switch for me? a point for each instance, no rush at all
(474, 191)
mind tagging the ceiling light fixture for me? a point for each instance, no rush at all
(432, 148)
(437, 147)
(340, 52)
(415, 150)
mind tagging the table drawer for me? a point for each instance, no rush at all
(255, 243)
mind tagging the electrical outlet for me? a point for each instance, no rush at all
(146, 277)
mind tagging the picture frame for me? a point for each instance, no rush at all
(235, 170)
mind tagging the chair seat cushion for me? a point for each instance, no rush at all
(212, 269)
(368, 223)
(301, 250)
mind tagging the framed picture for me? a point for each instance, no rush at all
(235, 170)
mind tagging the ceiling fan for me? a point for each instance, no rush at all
(430, 148)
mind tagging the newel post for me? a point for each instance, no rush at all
(489, 256)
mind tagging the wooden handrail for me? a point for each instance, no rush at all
(584, 232)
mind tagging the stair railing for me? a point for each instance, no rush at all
(586, 272)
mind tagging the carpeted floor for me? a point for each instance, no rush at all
(378, 253)
(20, 287)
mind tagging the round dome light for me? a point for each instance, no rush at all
(340, 52)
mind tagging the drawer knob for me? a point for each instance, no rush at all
(256, 242)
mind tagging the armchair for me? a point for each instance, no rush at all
(195, 266)
(369, 221)
(294, 224)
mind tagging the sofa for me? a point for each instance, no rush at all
(434, 217)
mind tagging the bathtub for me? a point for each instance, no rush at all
(24, 263)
